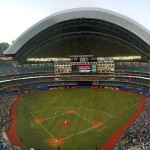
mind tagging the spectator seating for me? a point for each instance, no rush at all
(9, 69)
(6, 101)
(137, 136)
(133, 69)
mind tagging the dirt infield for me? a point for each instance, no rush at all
(12, 131)
(96, 124)
(56, 142)
(39, 121)
(115, 138)
(72, 111)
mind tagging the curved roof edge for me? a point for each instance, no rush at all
(95, 13)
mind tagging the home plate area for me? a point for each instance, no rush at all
(68, 123)
(56, 142)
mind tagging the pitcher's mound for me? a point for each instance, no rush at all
(66, 123)
(56, 142)
(96, 124)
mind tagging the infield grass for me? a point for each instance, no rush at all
(112, 109)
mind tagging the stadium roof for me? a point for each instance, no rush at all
(82, 31)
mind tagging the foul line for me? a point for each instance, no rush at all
(44, 127)
(102, 128)
(126, 110)
(31, 124)
(81, 132)
(84, 131)
(36, 119)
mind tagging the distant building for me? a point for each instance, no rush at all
(3, 47)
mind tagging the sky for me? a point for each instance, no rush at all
(16, 16)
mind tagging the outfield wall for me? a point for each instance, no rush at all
(46, 87)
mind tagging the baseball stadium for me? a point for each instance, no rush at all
(77, 80)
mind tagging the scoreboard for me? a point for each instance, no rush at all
(84, 65)
(84, 69)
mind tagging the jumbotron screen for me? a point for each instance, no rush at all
(83, 68)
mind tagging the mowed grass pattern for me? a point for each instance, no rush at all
(111, 108)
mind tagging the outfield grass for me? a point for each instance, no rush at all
(112, 109)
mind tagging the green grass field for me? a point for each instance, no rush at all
(112, 109)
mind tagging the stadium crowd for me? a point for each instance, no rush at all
(10, 69)
(137, 136)
(6, 101)
(134, 80)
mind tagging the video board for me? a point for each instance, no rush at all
(83, 68)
